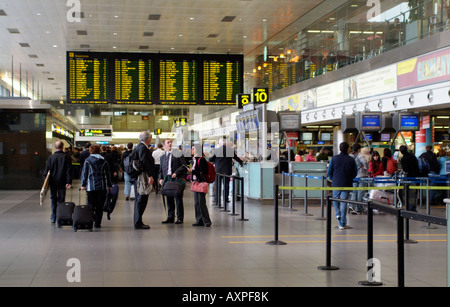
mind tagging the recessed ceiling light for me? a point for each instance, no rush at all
(48, 32)
(244, 36)
(115, 33)
(39, 14)
(191, 18)
(55, 46)
(180, 35)
(264, 20)
(114, 47)
(172, 48)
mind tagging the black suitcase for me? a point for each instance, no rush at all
(83, 218)
(64, 213)
(111, 200)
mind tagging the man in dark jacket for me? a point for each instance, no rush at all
(60, 166)
(222, 158)
(96, 180)
(431, 158)
(410, 166)
(172, 165)
(341, 171)
(140, 203)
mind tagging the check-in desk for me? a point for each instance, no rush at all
(259, 180)
(314, 169)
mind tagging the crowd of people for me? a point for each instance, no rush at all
(102, 166)
(361, 163)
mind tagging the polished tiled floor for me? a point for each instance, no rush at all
(34, 252)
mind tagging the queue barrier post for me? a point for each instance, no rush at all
(233, 195)
(321, 218)
(328, 266)
(275, 205)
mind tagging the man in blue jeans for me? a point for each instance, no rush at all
(341, 171)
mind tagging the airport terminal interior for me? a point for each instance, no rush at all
(283, 83)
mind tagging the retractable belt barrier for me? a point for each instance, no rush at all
(219, 181)
(400, 213)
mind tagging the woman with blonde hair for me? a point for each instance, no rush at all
(362, 158)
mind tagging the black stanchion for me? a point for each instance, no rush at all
(275, 204)
(406, 200)
(242, 201)
(328, 265)
(400, 251)
(369, 247)
(233, 209)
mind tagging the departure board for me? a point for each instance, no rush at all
(133, 81)
(88, 78)
(222, 81)
(178, 82)
(154, 78)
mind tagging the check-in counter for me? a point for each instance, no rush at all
(314, 169)
(259, 180)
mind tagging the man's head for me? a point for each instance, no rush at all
(59, 145)
(167, 145)
(429, 148)
(343, 147)
(403, 149)
(145, 137)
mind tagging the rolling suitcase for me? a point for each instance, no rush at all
(64, 213)
(83, 217)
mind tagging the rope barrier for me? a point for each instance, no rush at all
(341, 188)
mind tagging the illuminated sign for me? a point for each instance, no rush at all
(242, 100)
(95, 132)
(260, 95)
(162, 79)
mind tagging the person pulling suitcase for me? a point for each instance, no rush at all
(96, 180)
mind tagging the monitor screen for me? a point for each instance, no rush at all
(385, 137)
(447, 167)
(367, 137)
(409, 122)
(307, 136)
(325, 136)
(370, 122)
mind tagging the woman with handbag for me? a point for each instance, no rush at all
(199, 186)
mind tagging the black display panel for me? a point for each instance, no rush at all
(146, 78)
(88, 78)
(133, 80)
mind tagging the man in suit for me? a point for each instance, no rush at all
(172, 165)
(223, 158)
(140, 202)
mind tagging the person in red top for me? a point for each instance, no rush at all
(375, 165)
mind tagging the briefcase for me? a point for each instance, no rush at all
(172, 189)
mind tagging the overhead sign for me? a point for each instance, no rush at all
(95, 132)
(242, 100)
(158, 131)
(260, 95)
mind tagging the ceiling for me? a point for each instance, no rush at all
(35, 34)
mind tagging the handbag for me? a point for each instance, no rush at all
(201, 187)
(173, 188)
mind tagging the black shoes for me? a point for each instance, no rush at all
(171, 222)
(201, 224)
(143, 226)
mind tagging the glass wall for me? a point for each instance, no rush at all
(354, 32)
(23, 151)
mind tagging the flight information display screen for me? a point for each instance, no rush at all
(146, 78)
(221, 81)
(133, 81)
(178, 82)
(88, 78)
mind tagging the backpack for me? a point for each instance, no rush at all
(210, 176)
(132, 165)
(424, 166)
(391, 166)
